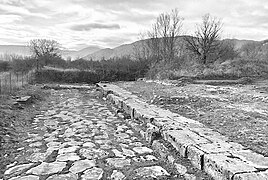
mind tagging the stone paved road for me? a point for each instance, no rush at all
(77, 136)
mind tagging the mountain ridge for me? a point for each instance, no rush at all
(98, 53)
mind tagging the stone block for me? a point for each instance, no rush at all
(220, 147)
(224, 165)
(161, 149)
(252, 158)
(180, 139)
(250, 176)
(151, 132)
(195, 155)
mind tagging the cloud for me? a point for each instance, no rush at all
(113, 22)
(90, 26)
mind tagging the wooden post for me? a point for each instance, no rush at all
(0, 86)
(17, 80)
(21, 78)
(10, 83)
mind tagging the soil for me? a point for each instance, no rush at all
(15, 120)
(238, 111)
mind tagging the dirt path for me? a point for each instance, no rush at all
(78, 136)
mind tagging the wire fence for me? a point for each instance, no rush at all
(11, 82)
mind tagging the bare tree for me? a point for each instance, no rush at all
(44, 50)
(162, 41)
(205, 42)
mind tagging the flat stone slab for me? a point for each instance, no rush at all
(92, 174)
(248, 176)
(68, 150)
(142, 150)
(47, 168)
(224, 166)
(18, 168)
(82, 165)
(118, 162)
(153, 171)
(69, 176)
(68, 157)
(30, 177)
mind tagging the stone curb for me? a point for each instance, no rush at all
(205, 148)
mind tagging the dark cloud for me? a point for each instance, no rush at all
(90, 26)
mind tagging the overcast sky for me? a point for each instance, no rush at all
(108, 23)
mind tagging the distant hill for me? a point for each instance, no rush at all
(123, 50)
(14, 50)
(97, 53)
(128, 49)
(81, 53)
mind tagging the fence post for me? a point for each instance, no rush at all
(17, 75)
(10, 83)
(21, 78)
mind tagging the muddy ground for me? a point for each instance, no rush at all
(237, 111)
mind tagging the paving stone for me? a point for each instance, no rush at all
(68, 157)
(117, 153)
(152, 171)
(182, 170)
(30, 177)
(89, 145)
(92, 174)
(36, 144)
(142, 150)
(117, 175)
(118, 162)
(54, 144)
(18, 168)
(128, 152)
(47, 168)
(189, 176)
(69, 176)
(82, 165)
(93, 153)
(68, 150)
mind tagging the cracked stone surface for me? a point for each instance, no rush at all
(76, 135)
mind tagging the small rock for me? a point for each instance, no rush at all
(180, 169)
(92, 174)
(117, 175)
(189, 177)
(153, 171)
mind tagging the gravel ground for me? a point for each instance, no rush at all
(239, 112)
